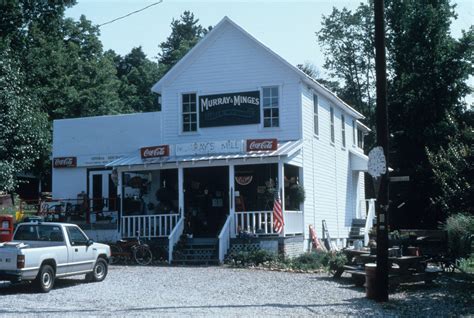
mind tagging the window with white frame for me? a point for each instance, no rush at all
(189, 112)
(316, 111)
(331, 110)
(343, 130)
(271, 111)
(354, 133)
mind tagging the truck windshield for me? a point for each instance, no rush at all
(39, 232)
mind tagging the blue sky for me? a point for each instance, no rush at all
(287, 27)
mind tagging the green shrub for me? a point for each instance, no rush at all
(251, 258)
(460, 227)
(467, 264)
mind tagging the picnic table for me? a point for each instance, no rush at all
(403, 269)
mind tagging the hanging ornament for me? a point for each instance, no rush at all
(243, 180)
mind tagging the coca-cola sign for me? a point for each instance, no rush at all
(65, 162)
(155, 151)
(262, 144)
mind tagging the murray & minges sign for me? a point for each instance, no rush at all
(229, 109)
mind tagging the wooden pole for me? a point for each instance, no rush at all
(381, 274)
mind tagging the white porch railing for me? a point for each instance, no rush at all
(224, 239)
(148, 226)
(174, 237)
(369, 221)
(261, 222)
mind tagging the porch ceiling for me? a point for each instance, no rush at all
(285, 148)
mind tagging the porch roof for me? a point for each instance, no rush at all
(358, 161)
(285, 148)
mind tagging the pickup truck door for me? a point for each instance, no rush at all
(82, 256)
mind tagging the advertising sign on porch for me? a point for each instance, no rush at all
(209, 147)
(229, 109)
(262, 145)
(155, 151)
(65, 162)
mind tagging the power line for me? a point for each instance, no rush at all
(129, 14)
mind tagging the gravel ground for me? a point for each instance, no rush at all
(220, 291)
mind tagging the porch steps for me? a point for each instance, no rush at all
(196, 251)
(357, 231)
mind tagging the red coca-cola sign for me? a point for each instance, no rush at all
(262, 144)
(155, 151)
(65, 162)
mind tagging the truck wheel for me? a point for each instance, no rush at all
(100, 271)
(45, 279)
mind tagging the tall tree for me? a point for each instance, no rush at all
(185, 33)
(427, 70)
(347, 39)
(24, 132)
(137, 75)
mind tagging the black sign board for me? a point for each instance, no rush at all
(229, 109)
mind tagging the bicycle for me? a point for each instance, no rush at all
(126, 249)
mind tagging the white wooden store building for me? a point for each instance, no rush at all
(237, 122)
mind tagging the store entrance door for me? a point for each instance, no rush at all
(206, 200)
(102, 191)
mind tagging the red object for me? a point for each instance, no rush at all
(314, 238)
(65, 162)
(6, 228)
(278, 221)
(262, 144)
(155, 151)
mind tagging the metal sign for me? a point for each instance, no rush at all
(262, 144)
(229, 109)
(155, 151)
(209, 147)
(65, 162)
(377, 165)
(400, 179)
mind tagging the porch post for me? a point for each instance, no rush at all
(281, 189)
(120, 195)
(181, 191)
(232, 201)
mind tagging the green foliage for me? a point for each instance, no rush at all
(466, 264)
(137, 75)
(185, 33)
(460, 228)
(427, 72)
(24, 130)
(251, 258)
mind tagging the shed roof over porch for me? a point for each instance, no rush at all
(285, 149)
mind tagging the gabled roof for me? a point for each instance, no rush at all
(311, 82)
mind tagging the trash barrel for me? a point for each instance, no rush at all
(370, 269)
(6, 228)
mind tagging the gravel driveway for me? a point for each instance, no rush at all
(220, 291)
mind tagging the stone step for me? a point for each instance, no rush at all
(211, 261)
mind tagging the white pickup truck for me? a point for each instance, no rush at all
(42, 252)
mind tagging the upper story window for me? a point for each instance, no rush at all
(360, 139)
(331, 110)
(189, 112)
(354, 132)
(158, 103)
(316, 111)
(271, 112)
(343, 130)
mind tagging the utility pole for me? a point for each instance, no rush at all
(381, 274)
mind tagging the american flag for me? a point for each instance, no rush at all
(278, 222)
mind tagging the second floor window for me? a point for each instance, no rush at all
(189, 111)
(271, 111)
(331, 111)
(315, 110)
(343, 130)
(354, 133)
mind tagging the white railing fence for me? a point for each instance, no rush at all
(224, 239)
(261, 222)
(148, 226)
(174, 237)
(369, 221)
